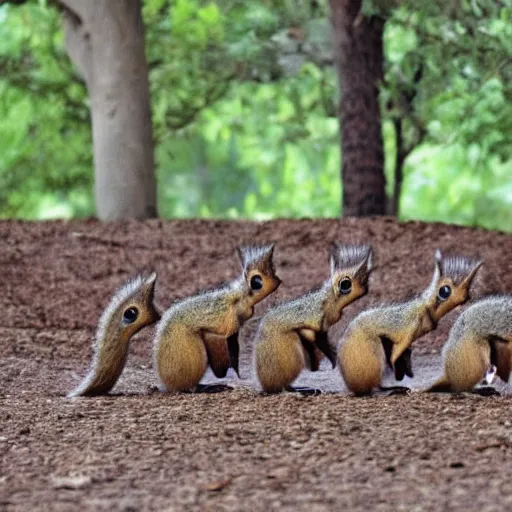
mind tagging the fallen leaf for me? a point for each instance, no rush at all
(216, 485)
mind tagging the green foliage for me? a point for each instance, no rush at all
(45, 139)
(244, 115)
(462, 112)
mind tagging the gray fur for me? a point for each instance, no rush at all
(350, 257)
(457, 268)
(253, 256)
(491, 316)
(129, 289)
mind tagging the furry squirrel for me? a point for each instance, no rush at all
(203, 329)
(290, 335)
(130, 309)
(480, 338)
(385, 334)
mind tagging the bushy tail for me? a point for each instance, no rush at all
(442, 385)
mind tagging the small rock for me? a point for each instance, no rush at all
(71, 482)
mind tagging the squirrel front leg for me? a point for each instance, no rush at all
(223, 353)
(399, 348)
(316, 343)
(217, 351)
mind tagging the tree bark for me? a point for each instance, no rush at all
(359, 56)
(401, 155)
(105, 41)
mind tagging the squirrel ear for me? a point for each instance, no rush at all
(334, 252)
(472, 272)
(241, 257)
(151, 280)
(439, 258)
(270, 252)
(148, 287)
(365, 267)
(368, 260)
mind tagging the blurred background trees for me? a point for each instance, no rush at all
(244, 102)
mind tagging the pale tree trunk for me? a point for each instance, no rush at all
(105, 41)
(358, 46)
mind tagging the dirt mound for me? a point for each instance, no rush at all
(235, 450)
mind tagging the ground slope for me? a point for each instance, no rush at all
(238, 450)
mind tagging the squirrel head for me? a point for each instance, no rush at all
(258, 270)
(450, 283)
(350, 269)
(131, 308)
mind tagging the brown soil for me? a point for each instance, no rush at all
(238, 450)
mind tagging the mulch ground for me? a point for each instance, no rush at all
(138, 449)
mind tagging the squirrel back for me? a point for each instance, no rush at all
(480, 338)
(130, 309)
(294, 334)
(383, 335)
(203, 329)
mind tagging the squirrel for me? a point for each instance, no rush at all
(290, 335)
(203, 330)
(480, 338)
(384, 335)
(130, 309)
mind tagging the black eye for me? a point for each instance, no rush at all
(256, 283)
(345, 286)
(130, 315)
(444, 292)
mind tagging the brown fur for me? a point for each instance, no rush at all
(290, 335)
(218, 354)
(362, 355)
(182, 364)
(480, 337)
(114, 334)
(194, 332)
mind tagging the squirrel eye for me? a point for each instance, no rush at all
(256, 283)
(444, 292)
(345, 286)
(130, 315)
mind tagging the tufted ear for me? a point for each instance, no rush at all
(150, 281)
(437, 266)
(266, 259)
(366, 264)
(241, 256)
(467, 280)
(334, 256)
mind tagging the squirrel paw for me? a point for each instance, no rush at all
(394, 390)
(304, 390)
(486, 391)
(212, 388)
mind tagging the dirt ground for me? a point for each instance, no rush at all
(138, 449)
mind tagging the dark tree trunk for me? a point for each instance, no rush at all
(105, 40)
(401, 155)
(359, 58)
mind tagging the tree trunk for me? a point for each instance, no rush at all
(359, 59)
(401, 155)
(105, 40)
